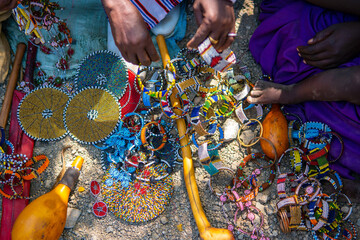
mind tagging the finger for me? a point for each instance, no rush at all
(222, 40)
(320, 36)
(216, 39)
(229, 40)
(200, 35)
(132, 58)
(143, 57)
(316, 57)
(197, 13)
(323, 64)
(312, 49)
(152, 53)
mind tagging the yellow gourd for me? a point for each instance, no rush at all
(276, 130)
(45, 217)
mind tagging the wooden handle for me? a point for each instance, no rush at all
(206, 231)
(20, 51)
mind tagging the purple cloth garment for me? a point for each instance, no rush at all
(285, 25)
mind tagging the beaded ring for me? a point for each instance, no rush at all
(143, 136)
(243, 126)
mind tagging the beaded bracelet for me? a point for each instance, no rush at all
(195, 121)
(168, 109)
(309, 191)
(348, 201)
(310, 130)
(143, 136)
(141, 166)
(211, 165)
(158, 94)
(251, 216)
(225, 110)
(137, 134)
(243, 126)
(42, 168)
(240, 172)
(221, 139)
(299, 177)
(342, 147)
(314, 224)
(221, 169)
(319, 168)
(239, 111)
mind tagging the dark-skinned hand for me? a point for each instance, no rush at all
(333, 46)
(130, 32)
(216, 19)
(7, 4)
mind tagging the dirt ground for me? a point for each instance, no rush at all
(177, 221)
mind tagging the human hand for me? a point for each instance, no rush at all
(7, 4)
(216, 19)
(130, 32)
(333, 46)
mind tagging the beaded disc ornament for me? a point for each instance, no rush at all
(40, 113)
(139, 201)
(92, 115)
(104, 69)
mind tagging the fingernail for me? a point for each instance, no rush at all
(299, 54)
(310, 41)
(304, 61)
(297, 49)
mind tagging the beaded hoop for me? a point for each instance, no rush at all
(243, 126)
(305, 201)
(143, 136)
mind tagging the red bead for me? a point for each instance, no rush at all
(70, 52)
(38, 64)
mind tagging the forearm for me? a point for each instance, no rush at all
(339, 84)
(347, 6)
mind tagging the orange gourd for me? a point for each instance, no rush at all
(276, 130)
(45, 217)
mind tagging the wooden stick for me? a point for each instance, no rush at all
(5, 109)
(206, 231)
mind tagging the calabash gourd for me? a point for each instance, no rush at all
(45, 217)
(276, 130)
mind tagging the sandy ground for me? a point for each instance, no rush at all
(177, 221)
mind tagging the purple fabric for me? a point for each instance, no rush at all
(285, 25)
